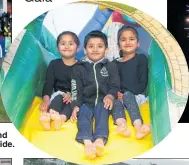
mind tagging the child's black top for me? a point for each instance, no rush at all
(58, 77)
(133, 74)
(92, 82)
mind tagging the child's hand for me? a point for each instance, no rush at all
(120, 96)
(44, 106)
(74, 114)
(108, 102)
(67, 98)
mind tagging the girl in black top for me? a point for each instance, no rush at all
(57, 87)
(133, 71)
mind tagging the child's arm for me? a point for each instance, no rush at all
(114, 80)
(76, 90)
(74, 114)
(47, 88)
(113, 86)
(45, 103)
(143, 75)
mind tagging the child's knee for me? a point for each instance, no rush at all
(127, 94)
(84, 111)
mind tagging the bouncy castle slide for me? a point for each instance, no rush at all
(22, 87)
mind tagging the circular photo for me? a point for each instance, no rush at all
(99, 86)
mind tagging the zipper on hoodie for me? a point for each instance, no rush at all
(94, 69)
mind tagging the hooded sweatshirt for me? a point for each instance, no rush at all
(91, 82)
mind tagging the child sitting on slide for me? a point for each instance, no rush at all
(133, 71)
(56, 106)
(95, 85)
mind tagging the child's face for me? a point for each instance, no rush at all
(95, 49)
(128, 42)
(67, 47)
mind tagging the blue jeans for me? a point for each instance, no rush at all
(129, 102)
(85, 123)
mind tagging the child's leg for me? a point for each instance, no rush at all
(101, 132)
(66, 112)
(44, 120)
(118, 114)
(130, 103)
(84, 135)
(54, 110)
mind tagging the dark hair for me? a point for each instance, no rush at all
(124, 28)
(96, 34)
(75, 37)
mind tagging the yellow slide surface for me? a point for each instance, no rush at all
(62, 144)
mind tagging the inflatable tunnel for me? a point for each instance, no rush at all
(22, 88)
